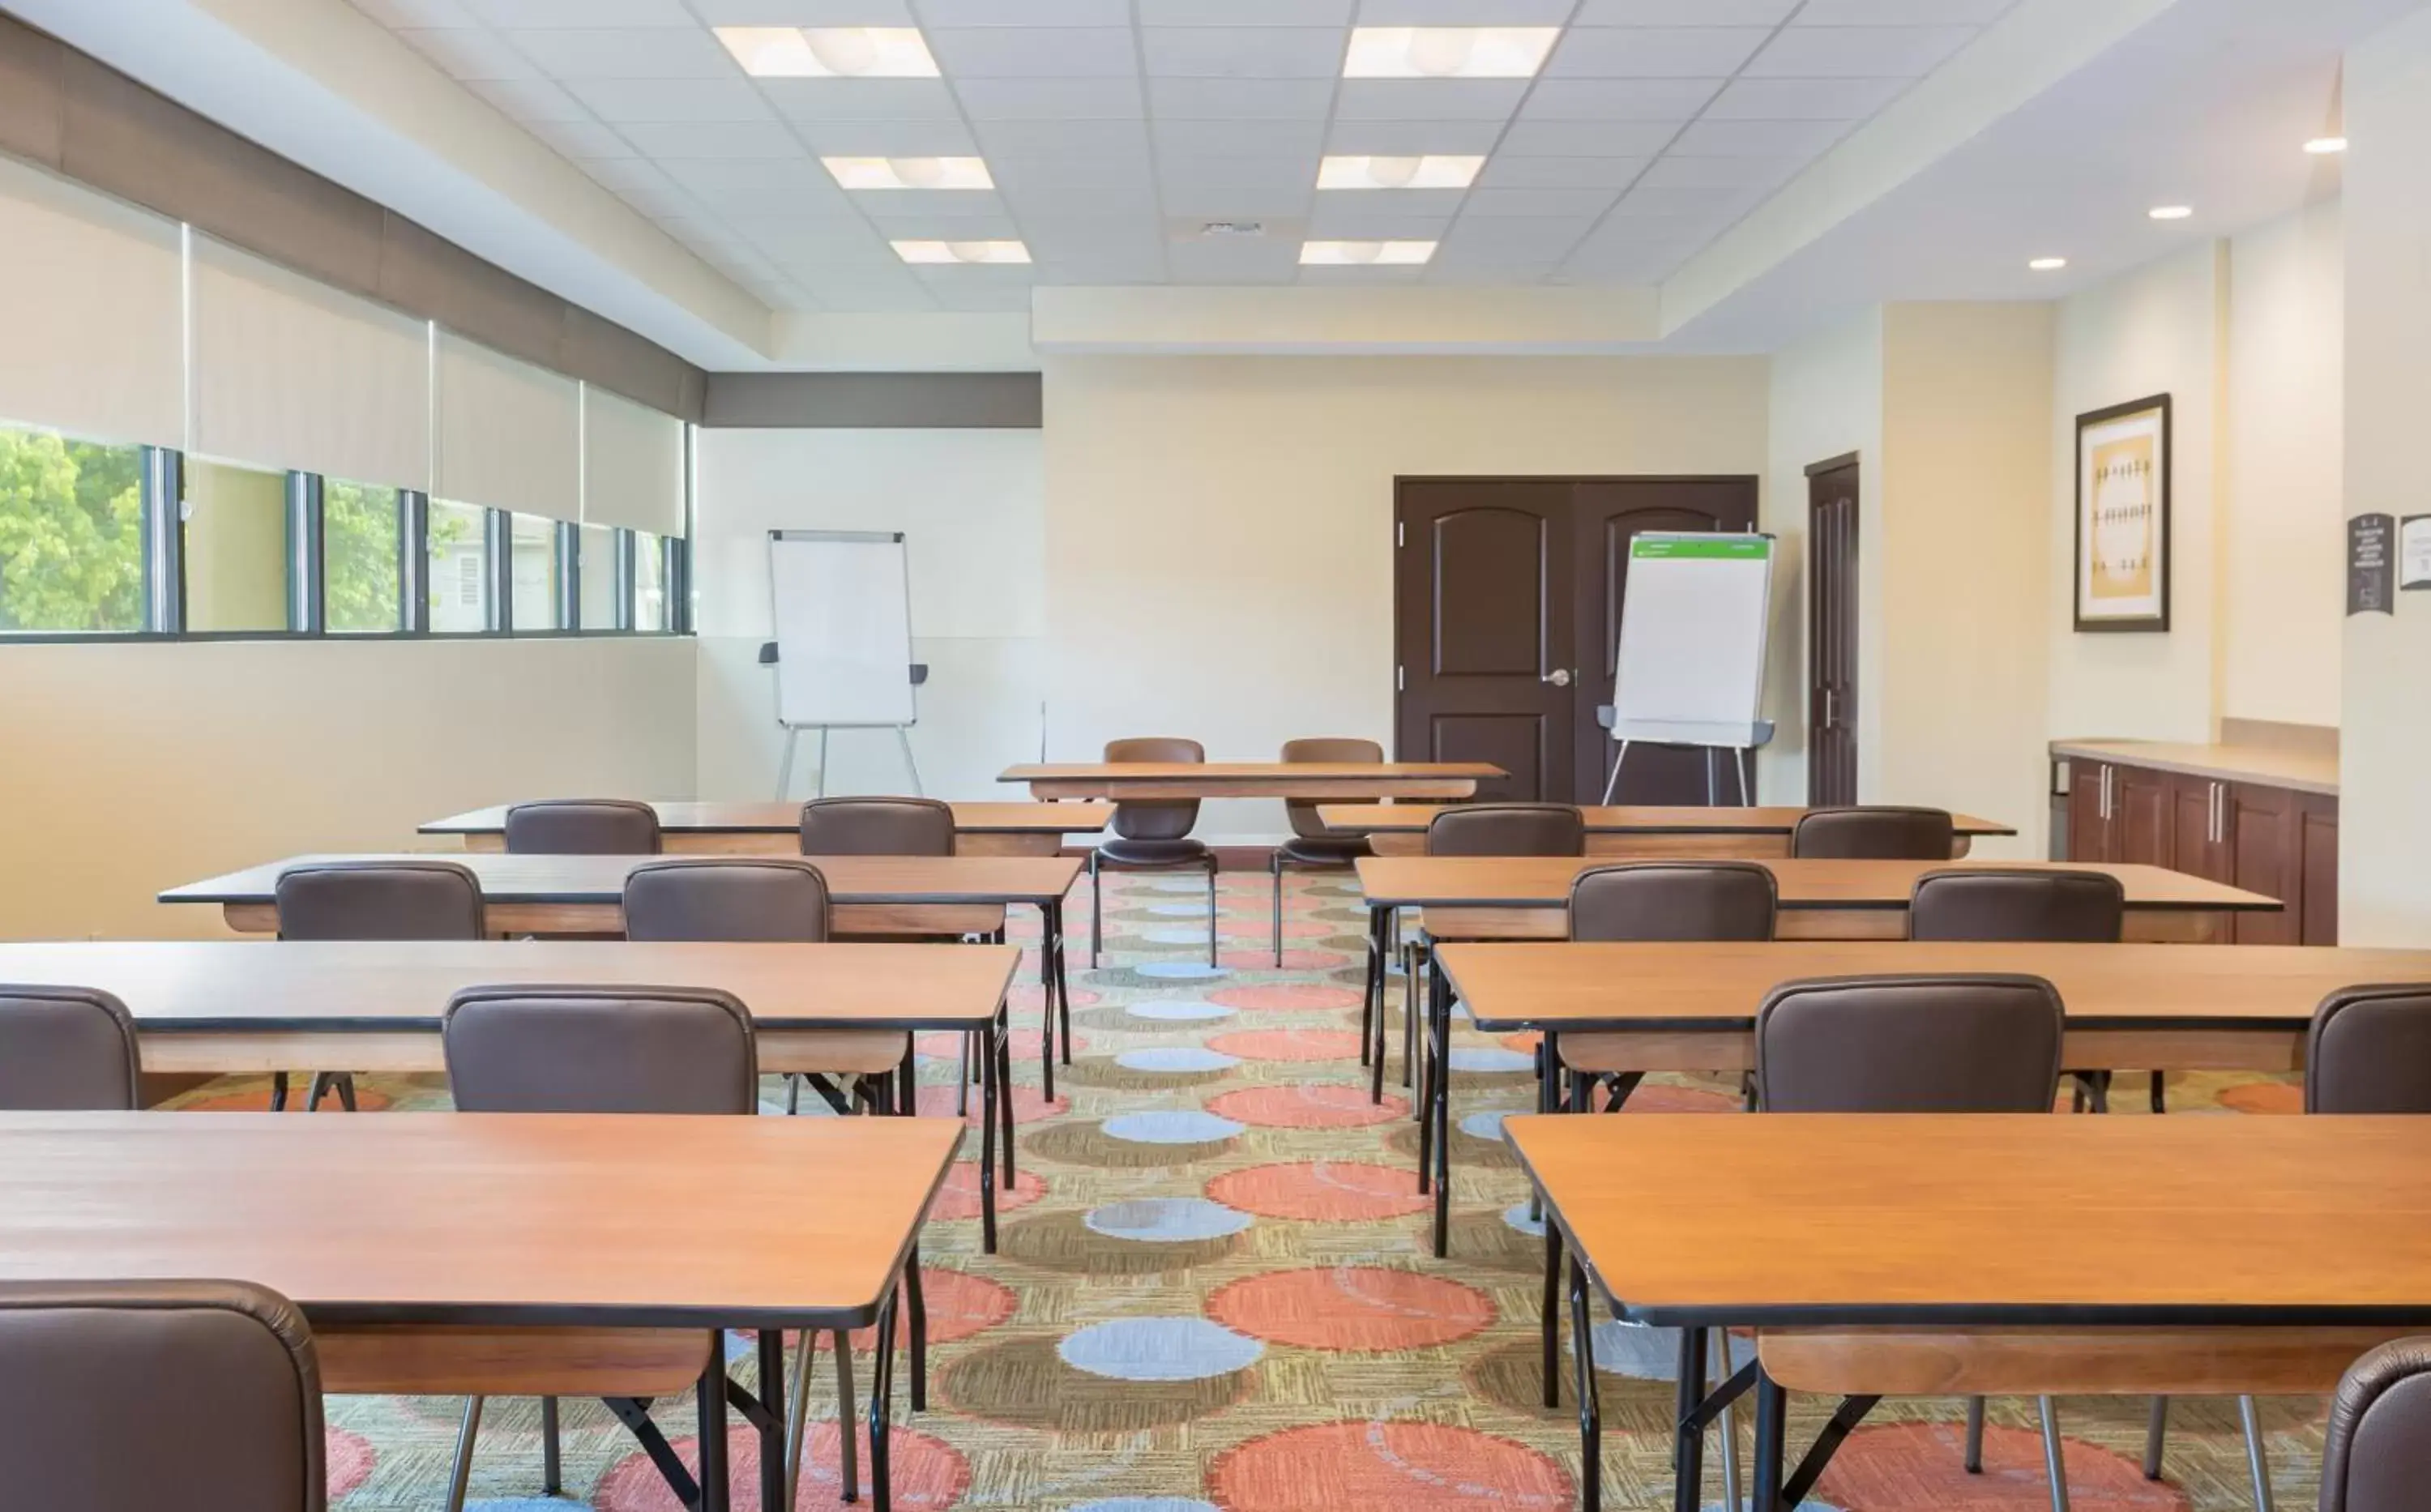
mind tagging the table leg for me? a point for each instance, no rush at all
(1054, 924)
(1422, 1108)
(1439, 1015)
(1372, 1007)
(1047, 999)
(1687, 1435)
(772, 1430)
(1549, 1316)
(917, 1297)
(1004, 1101)
(1582, 1365)
(989, 1091)
(882, 1404)
(714, 1493)
(1771, 1439)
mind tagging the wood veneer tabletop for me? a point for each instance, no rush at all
(1236, 771)
(2036, 1220)
(1395, 818)
(511, 879)
(201, 987)
(749, 817)
(505, 1218)
(1534, 881)
(1703, 987)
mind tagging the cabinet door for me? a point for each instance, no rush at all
(2263, 826)
(2088, 829)
(2317, 828)
(2144, 809)
(2199, 840)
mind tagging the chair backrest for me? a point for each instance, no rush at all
(877, 827)
(1872, 833)
(1909, 1044)
(2058, 907)
(1156, 819)
(125, 1395)
(380, 901)
(2370, 1051)
(583, 827)
(1674, 901)
(66, 1048)
(1304, 821)
(2377, 1455)
(740, 898)
(599, 1049)
(1507, 829)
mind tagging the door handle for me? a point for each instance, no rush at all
(1559, 677)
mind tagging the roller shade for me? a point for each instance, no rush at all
(92, 314)
(633, 472)
(510, 433)
(291, 374)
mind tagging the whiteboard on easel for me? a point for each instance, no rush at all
(1690, 663)
(841, 603)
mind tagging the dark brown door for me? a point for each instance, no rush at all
(1832, 632)
(2088, 820)
(2143, 808)
(1606, 512)
(1482, 622)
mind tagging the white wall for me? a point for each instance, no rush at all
(1220, 529)
(971, 506)
(134, 768)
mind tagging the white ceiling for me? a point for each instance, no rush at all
(1115, 128)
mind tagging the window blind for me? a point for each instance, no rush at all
(508, 432)
(91, 305)
(633, 475)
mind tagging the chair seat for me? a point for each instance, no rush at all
(1116, 850)
(1324, 850)
(840, 1052)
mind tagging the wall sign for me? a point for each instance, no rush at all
(2372, 565)
(2122, 517)
(2414, 553)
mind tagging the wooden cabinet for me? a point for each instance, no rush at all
(2088, 811)
(2199, 846)
(2270, 840)
(2317, 852)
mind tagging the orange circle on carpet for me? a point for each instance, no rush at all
(960, 1307)
(958, 1197)
(1410, 1466)
(348, 1458)
(1023, 1045)
(937, 1101)
(2260, 1096)
(928, 1475)
(1356, 1308)
(1306, 1105)
(1657, 1096)
(1285, 996)
(1320, 1190)
(367, 1100)
(1288, 1043)
(1913, 1467)
(1233, 928)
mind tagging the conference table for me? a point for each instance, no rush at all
(237, 1007)
(2002, 1255)
(1613, 832)
(386, 1228)
(765, 828)
(1310, 781)
(870, 895)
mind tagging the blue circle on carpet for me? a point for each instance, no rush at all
(1478, 1058)
(1178, 910)
(1149, 1503)
(1516, 1216)
(1176, 1058)
(1644, 1354)
(1484, 1125)
(1177, 884)
(1163, 1126)
(1172, 936)
(1159, 1348)
(1179, 1010)
(1165, 1219)
(1183, 969)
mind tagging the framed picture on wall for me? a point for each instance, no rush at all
(2122, 517)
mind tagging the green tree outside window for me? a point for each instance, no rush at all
(360, 530)
(71, 534)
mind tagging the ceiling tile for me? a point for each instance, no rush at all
(1018, 12)
(1037, 205)
(1056, 139)
(1543, 239)
(1234, 259)
(805, 12)
(1902, 12)
(670, 99)
(400, 15)
(509, 14)
(641, 184)
(1366, 277)
(1229, 201)
(1100, 263)
(1246, 139)
(1645, 261)
(1429, 99)
(1243, 51)
(581, 139)
(1291, 173)
(1586, 139)
(1539, 203)
(757, 185)
(1684, 12)
(1245, 12)
(861, 99)
(1858, 52)
(735, 140)
(632, 52)
(1758, 139)
(1654, 52)
(1240, 99)
(1804, 99)
(1035, 52)
(1503, 170)
(1618, 99)
(1050, 99)
(530, 99)
(783, 243)
(1463, 12)
(1413, 138)
(1663, 202)
(887, 139)
(1335, 221)
(933, 205)
(471, 54)
(1072, 236)
(1108, 168)
(1719, 173)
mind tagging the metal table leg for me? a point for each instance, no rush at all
(1771, 1440)
(1047, 999)
(774, 1488)
(1688, 1433)
(1439, 1016)
(989, 1092)
(716, 1495)
(881, 1403)
(1004, 1101)
(1054, 921)
(1583, 1366)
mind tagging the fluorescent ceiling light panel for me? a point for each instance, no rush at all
(829, 52)
(1447, 52)
(967, 252)
(2170, 213)
(1366, 254)
(910, 172)
(2324, 146)
(1430, 172)
(2046, 264)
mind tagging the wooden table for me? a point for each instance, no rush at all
(506, 1220)
(761, 829)
(1641, 830)
(2026, 1249)
(872, 895)
(239, 1007)
(1312, 781)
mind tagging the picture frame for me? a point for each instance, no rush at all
(2123, 517)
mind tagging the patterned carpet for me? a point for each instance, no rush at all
(1214, 1290)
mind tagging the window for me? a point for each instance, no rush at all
(362, 577)
(603, 587)
(237, 548)
(71, 534)
(650, 583)
(460, 568)
(535, 567)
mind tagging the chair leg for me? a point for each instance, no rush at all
(2054, 1465)
(2156, 1431)
(1097, 911)
(461, 1476)
(2160, 1102)
(797, 1416)
(1975, 1460)
(1275, 864)
(848, 1431)
(278, 1091)
(1730, 1423)
(792, 1094)
(552, 1458)
(2257, 1460)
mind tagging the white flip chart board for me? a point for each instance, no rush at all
(1692, 633)
(841, 603)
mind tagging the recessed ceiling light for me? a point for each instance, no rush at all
(1447, 52)
(2046, 264)
(1367, 254)
(1430, 172)
(997, 252)
(2324, 146)
(2170, 213)
(910, 172)
(829, 52)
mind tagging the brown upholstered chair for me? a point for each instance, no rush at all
(1873, 834)
(1507, 829)
(583, 827)
(127, 1396)
(1151, 834)
(1662, 901)
(1311, 845)
(404, 899)
(2059, 907)
(877, 827)
(67, 1047)
(2369, 1050)
(2377, 1454)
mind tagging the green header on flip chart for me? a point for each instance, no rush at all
(1738, 547)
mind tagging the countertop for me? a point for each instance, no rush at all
(2304, 771)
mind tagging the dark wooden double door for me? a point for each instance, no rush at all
(1506, 608)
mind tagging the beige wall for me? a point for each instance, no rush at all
(133, 768)
(2384, 826)
(1218, 528)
